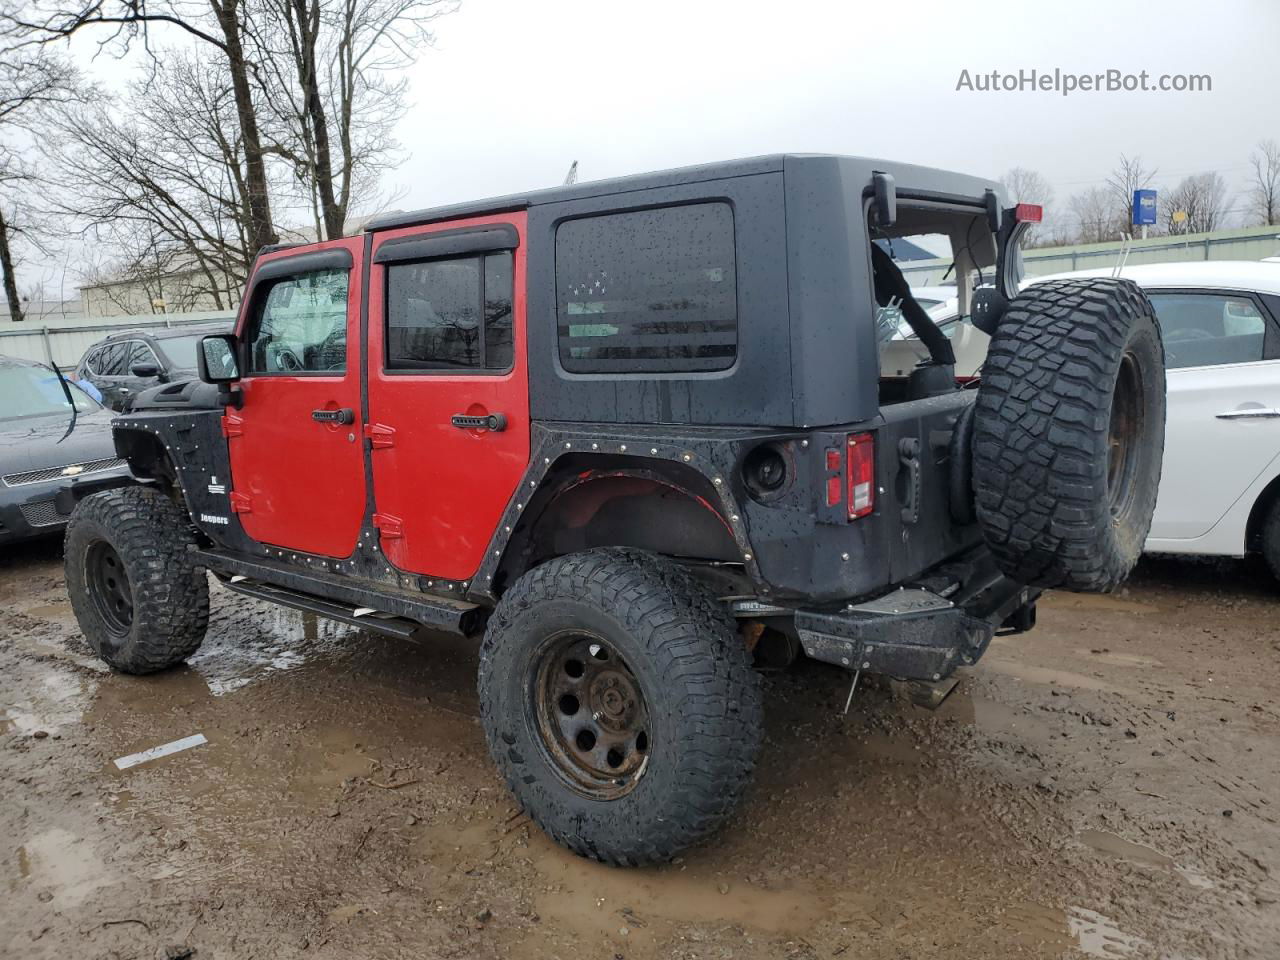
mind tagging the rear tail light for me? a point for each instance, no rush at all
(1028, 213)
(860, 459)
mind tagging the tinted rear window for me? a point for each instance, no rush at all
(648, 291)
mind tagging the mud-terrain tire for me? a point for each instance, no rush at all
(1069, 433)
(676, 653)
(141, 600)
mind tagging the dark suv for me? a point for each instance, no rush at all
(634, 434)
(124, 364)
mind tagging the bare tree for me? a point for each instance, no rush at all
(149, 272)
(217, 24)
(31, 81)
(1264, 193)
(1094, 213)
(327, 70)
(1029, 186)
(1202, 197)
(160, 177)
(1129, 175)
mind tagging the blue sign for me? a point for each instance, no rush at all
(1144, 208)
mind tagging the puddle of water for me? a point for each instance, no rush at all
(595, 900)
(1122, 849)
(1099, 936)
(275, 639)
(63, 864)
(51, 611)
(57, 701)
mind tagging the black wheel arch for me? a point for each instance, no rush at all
(145, 454)
(590, 501)
(1267, 501)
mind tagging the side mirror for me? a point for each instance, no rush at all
(145, 370)
(217, 358)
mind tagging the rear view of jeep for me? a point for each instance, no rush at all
(634, 435)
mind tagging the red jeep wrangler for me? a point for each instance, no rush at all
(634, 433)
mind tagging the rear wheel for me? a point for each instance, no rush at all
(140, 599)
(1069, 433)
(619, 704)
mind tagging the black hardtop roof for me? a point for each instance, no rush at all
(907, 176)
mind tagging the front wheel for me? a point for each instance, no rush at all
(140, 599)
(619, 704)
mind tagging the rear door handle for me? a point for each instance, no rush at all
(495, 422)
(343, 415)
(1250, 413)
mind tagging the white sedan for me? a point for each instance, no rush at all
(1220, 486)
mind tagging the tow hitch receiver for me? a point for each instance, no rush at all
(913, 634)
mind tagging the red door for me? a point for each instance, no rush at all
(297, 471)
(446, 339)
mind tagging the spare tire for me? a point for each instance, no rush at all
(1069, 433)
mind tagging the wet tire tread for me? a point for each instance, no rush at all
(154, 539)
(1040, 431)
(705, 670)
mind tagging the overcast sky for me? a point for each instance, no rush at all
(515, 89)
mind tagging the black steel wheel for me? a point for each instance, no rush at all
(620, 704)
(140, 599)
(591, 714)
(107, 582)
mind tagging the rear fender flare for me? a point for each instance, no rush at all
(700, 468)
(595, 501)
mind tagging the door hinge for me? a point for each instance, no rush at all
(240, 502)
(388, 525)
(232, 426)
(380, 435)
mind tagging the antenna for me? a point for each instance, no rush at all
(571, 177)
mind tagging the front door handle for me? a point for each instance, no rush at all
(1250, 413)
(495, 422)
(343, 415)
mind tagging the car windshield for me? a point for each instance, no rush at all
(35, 392)
(181, 351)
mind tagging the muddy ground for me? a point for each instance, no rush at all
(1102, 787)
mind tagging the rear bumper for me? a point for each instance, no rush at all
(919, 632)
